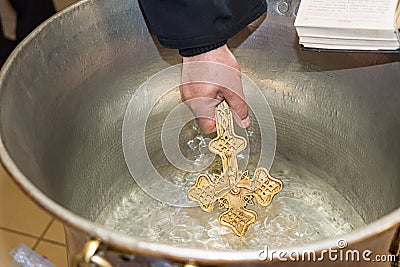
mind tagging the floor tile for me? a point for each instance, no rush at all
(6, 9)
(9, 29)
(61, 4)
(17, 211)
(9, 241)
(55, 233)
(8, 17)
(57, 254)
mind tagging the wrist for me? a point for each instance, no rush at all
(194, 51)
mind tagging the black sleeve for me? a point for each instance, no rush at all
(198, 26)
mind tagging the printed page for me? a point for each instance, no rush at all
(357, 14)
(350, 47)
(346, 42)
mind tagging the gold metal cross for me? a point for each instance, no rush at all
(233, 189)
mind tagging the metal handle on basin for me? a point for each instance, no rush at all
(190, 264)
(395, 248)
(89, 257)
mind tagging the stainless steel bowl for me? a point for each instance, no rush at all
(64, 90)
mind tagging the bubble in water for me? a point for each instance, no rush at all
(308, 209)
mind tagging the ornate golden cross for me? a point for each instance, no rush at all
(233, 189)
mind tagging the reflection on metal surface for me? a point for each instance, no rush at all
(233, 189)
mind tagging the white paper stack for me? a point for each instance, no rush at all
(349, 24)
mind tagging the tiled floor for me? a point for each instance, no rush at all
(7, 15)
(21, 220)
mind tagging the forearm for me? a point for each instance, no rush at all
(195, 27)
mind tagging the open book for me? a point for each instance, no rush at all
(349, 24)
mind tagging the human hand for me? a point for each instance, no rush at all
(207, 80)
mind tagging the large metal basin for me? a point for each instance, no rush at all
(64, 91)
